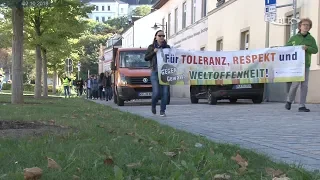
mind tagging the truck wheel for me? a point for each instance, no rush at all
(194, 100)
(120, 102)
(257, 100)
(233, 100)
(212, 100)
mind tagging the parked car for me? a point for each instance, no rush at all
(233, 92)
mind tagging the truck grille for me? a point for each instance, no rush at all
(139, 80)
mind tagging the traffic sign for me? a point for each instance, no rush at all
(270, 2)
(270, 10)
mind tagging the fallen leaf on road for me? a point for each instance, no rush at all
(274, 173)
(171, 154)
(33, 173)
(133, 165)
(222, 177)
(108, 161)
(52, 164)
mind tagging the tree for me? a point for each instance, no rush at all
(142, 10)
(119, 23)
(47, 31)
(17, 44)
(88, 45)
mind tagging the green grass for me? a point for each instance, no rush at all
(102, 132)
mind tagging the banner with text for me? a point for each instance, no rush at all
(269, 65)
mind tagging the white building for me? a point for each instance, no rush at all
(142, 33)
(108, 9)
(185, 23)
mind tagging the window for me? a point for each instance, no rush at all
(103, 19)
(220, 45)
(204, 8)
(169, 25)
(176, 20)
(121, 10)
(202, 48)
(133, 59)
(102, 8)
(163, 23)
(193, 11)
(290, 28)
(109, 8)
(245, 40)
(184, 14)
(97, 18)
(97, 8)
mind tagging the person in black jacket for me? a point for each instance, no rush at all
(157, 89)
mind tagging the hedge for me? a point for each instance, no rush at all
(29, 87)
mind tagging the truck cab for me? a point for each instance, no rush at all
(131, 75)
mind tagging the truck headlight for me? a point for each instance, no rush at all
(123, 80)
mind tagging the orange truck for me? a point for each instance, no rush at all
(130, 75)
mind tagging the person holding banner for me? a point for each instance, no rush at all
(310, 46)
(157, 89)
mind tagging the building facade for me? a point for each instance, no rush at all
(232, 27)
(185, 23)
(108, 9)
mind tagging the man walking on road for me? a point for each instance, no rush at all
(310, 46)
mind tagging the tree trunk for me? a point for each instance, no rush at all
(17, 55)
(55, 79)
(45, 72)
(37, 89)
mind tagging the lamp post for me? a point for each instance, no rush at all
(157, 25)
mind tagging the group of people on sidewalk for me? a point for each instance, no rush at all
(99, 87)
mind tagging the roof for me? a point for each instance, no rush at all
(159, 3)
(121, 2)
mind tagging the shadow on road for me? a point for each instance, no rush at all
(185, 101)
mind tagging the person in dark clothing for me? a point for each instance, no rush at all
(157, 89)
(94, 87)
(102, 85)
(80, 84)
(108, 87)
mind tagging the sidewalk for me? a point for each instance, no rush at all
(289, 136)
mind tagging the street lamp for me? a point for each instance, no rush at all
(157, 25)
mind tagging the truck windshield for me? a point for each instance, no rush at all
(133, 59)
